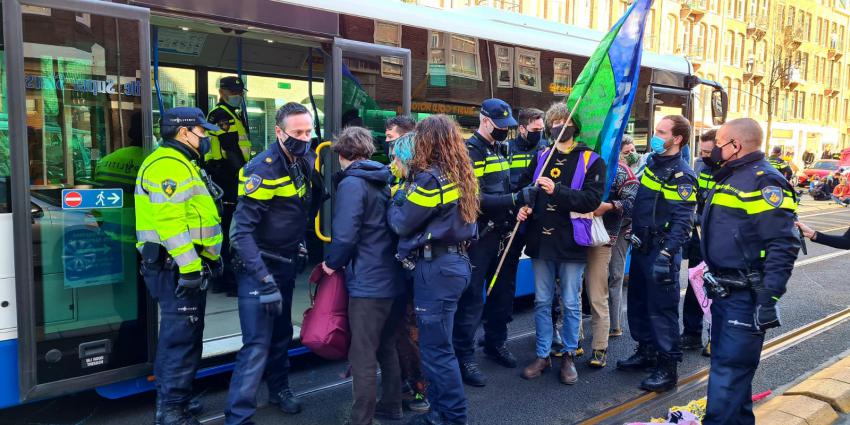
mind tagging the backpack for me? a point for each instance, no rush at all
(325, 328)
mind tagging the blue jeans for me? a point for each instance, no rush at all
(265, 344)
(437, 286)
(846, 201)
(544, 294)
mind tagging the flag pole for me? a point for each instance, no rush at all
(516, 226)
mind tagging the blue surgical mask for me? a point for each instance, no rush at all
(657, 145)
(234, 101)
(204, 144)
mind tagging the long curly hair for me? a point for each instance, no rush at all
(440, 144)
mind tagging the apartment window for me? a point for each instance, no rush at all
(751, 98)
(687, 35)
(752, 10)
(765, 11)
(728, 47)
(790, 16)
(669, 43)
(556, 11)
(390, 35)
(730, 9)
(699, 43)
(649, 35)
(602, 15)
(814, 102)
(820, 106)
(504, 66)
(822, 70)
(742, 50)
(711, 44)
(846, 109)
(761, 99)
(819, 28)
(457, 53)
(727, 82)
(716, 5)
(817, 69)
(739, 102)
(804, 66)
(808, 28)
(527, 69)
(582, 13)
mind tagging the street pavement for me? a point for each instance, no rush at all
(819, 287)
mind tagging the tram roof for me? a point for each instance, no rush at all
(515, 29)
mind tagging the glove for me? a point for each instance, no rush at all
(301, 258)
(189, 284)
(526, 196)
(270, 297)
(661, 270)
(213, 269)
(766, 316)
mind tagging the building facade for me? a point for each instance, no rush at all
(783, 63)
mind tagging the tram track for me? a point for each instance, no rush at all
(626, 411)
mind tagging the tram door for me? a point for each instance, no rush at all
(78, 97)
(670, 101)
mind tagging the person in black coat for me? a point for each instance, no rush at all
(364, 244)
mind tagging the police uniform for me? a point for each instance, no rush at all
(494, 189)
(662, 219)
(782, 166)
(499, 306)
(177, 229)
(432, 234)
(748, 236)
(692, 316)
(230, 149)
(276, 199)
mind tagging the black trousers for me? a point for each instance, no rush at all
(499, 308)
(691, 310)
(483, 254)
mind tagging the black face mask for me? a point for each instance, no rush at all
(569, 133)
(709, 162)
(533, 137)
(717, 155)
(499, 134)
(297, 148)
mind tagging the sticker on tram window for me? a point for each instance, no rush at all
(75, 199)
(94, 256)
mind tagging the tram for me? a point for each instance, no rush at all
(78, 86)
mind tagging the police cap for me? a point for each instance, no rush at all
(186, 117)
(232, 83)
(499, 111)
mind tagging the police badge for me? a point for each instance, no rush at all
(169, 187)
(685, 191)
(773, 196)
(253, 183)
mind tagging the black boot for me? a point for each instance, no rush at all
(663, 378)
(643, 358)
(286, 401)
(175, 415)
(472, 375)
(690, 341)
(501, 355)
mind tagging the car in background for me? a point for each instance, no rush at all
(820, 168)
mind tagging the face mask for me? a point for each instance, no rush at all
(569, 132)
(396, 172)
(631, 158)
(716, 156)
(235, 101)
(709, 161)
(296, 147)
(657, 145)
(499, 134)
(204, 144)
(533, 137)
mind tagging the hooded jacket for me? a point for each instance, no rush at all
(363, 242)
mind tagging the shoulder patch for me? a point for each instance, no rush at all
(253, 183)
(773, 195)
(169, 187)
(685, 191)
(679, 174)
(760, 172)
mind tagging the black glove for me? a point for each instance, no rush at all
(661, 269)
(270, 297)
(526, 196)
(213, 269)
(766, 316)
(301, 258)
(189, 284)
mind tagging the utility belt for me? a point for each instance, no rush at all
(719, 283)
(500, 227)
(645, 239)
(429, 252)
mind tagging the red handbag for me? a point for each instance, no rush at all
(325, 328)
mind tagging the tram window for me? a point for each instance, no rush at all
(177, 88)
(5, 165)
(83, 115)
(263, 98)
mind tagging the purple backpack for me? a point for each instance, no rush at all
(582, 223)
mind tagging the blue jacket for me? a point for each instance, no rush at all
(666, 201)
(276, 200)
(363, 242)
(748, 222)
(425, 211)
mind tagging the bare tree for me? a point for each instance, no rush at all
(782, 70)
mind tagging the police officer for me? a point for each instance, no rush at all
(499, 306)
(662, 218)
(750, 244)
(494, 188)
(179, 237)
(780, 164)
(435, 217)
(230, 149)
(277, 195)
(691, 310)
(120, 168)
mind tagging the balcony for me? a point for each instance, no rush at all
(793, 36)
(754, 71)
(695, 56)
(757, 27)
(831, 91)
(793, 78)
(694, 9)
(836, 49)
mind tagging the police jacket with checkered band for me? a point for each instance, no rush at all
(277, 199)
(494, 180)
(748, 222)
(664, 206)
